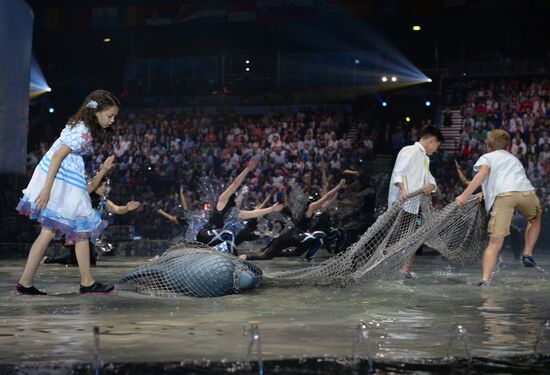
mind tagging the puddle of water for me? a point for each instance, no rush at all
(409, 319)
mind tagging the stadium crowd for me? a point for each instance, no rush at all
(519, 106)
(159, 152)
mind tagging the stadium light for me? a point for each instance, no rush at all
(247, 62)
(428, 103)
(394, 79)
(106, 40)
(247, 69)
(384, 104)
(408, 119)
(416, 28)
(51, 110)
(384, 79)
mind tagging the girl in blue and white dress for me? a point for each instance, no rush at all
(57, 194)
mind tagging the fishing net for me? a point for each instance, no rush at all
(194, 269)
(458, 233)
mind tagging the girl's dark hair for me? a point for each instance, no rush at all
(103, 101)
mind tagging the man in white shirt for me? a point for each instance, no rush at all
(411, 173)
(505, 188)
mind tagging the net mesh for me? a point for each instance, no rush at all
(381, 252)
(193, 269)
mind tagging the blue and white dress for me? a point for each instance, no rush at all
(69, 209)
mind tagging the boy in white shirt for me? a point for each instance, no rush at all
(411, 172)
(505, 188)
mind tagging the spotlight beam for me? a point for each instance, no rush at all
(38, 84)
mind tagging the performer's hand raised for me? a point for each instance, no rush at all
(252, 163)
(108, 163)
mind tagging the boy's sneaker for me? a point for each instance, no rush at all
(97, 288)
(528, 261)
(30, 291)
(482, 283)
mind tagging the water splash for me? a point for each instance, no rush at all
(254, 339)
(96, 361)
(540, 269)
(297, 200)
(362, 338)
(210, 189)
(544, 328)
(196, 220)
(233, 222)
(103, 245)
(459, 333)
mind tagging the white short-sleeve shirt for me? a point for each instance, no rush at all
(412, 169)
(506, 174)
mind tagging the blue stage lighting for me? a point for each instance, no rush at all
(51, 110)
(37, 82)
(384, 104)
(428, 103)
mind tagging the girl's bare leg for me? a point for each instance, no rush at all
(35, 256)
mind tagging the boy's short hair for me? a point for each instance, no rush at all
(498, 139)
(432, 131)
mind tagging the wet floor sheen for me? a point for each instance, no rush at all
(408, 319)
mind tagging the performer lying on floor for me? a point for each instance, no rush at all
(213, 233)
(298, 239)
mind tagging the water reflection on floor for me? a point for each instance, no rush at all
(406, 319)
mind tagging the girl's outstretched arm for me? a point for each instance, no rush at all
(232, 188)
(172, 218)
(105, 167)
(262, 205)
(260, 211)
(316, 205)
(121, 210)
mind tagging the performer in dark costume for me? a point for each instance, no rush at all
(357, 213)
(213, 233)
(179, 218)
(299, 239)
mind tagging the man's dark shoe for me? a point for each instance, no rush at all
(528, 261)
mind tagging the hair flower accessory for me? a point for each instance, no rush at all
(91, 104)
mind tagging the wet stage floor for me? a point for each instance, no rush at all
(407, 319)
